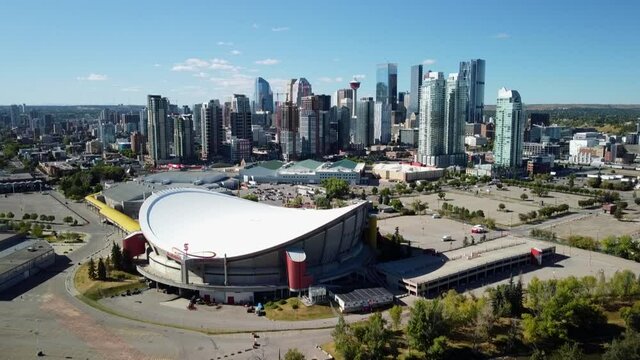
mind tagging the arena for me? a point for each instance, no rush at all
(233, 250)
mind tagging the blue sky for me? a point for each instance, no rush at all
(108, 52)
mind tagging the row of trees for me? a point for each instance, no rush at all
(119, 260)
(464, 214)
(544, 212)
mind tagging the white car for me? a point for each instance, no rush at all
(435, 216)
(447, 238)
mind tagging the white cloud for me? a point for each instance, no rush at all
(94, 77)
(201, 75)
(225, 43)
(330, 80)
(429, 62)
(278, 29)
(501, 36)
(156, 65)
(359, 76)
(235, 52)
(195, 64)
(268, 61)
(131, 89)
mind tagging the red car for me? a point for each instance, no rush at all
(478, 229)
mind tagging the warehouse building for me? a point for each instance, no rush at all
(21, 258)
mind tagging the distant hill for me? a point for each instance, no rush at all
(550, 107)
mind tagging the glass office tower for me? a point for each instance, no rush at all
(387, 84)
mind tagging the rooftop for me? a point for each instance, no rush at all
(214, 222)
(22, 253)
(426, 268)
(403, 167)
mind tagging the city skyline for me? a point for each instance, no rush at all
(112, 58)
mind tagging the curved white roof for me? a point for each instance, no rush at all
(224, 224)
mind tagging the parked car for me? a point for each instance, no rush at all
(435, 216)
(478, 229)
(447, 238)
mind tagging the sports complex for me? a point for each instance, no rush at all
(236, 251)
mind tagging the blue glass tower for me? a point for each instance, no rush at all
(387, 84)
(262, 96)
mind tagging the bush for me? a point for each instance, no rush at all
(282, 302)
(295, 306)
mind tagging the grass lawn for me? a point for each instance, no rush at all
(96, 289)
(284, 310)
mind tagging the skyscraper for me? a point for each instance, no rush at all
(362, 124)
(441, 124)
(387, 84)
(382, 123)
(262, 96)
(183, 137)
(509, 130)
(472, 74)
(342, 94)
(197, 123)
(431, 125)
(309, 133)
(343, 119)
(416, 83)
(241, 117)
(211, 130)
(14, 113)
(454, 123)
(157, 127)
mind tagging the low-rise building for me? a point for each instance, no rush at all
(303, 172)
(406, 172)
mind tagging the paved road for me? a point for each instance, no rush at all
(41, 314)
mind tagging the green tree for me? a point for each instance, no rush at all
(568, 351)
(322, 202)
(524, 196)
(618, 214)
(344, 339)
(439, 349)
(441, 195)
(10, 215)
(116, 256)
(396, 314)
(102, 270)
(127, 261)
(251, 197)
(67, 219)
(426, 323)
(572, 179)
(418, 206)
(374, 191)
(335, 188)
(91, 270)
(501, 207)
(396, 204)
(375, 337)
(294, 354)
(631, 316)
(37, 231)
(43, 217)
(626, 348)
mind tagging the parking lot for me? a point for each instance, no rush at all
(39, 203)
(426, 232)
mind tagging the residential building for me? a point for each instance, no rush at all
(183, 137)
(197, 123)
(382, 123)
(362, 124)
(431, 114)
(472, 76)
(241, 117)
(509, 130)
(211, 130)
(157, 127)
